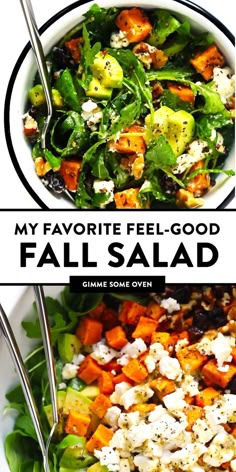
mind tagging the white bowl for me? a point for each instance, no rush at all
(17, 302)
(53, 31)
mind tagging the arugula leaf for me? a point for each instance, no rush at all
(169, 74)
(99, 169)
(193, 174)
(153, 187)
(130, 113)
(119, 176)
(160, 154)
(66, 87)
(87, 57)
(213, 103)
(15, 395)
(206, 123)
(52, 160)
(100, 22)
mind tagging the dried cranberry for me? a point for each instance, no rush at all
(217, 317)
(201, 320)
(195, 334)
(182, 295)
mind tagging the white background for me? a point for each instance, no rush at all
(13, 37)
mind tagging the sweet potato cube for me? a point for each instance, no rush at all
(98, 311)
(131, 141)
(105, 382)
(135, 371)
(190, 359)
(70, 171)
(100, 438)
(100, 405)
(143, 408)
(134, 23)
(77, 423)
(89, 370)
(193, 413)
(89, 331)
(204, 62)
(163, 386)
(214, 376)
(155, 311)
(184, 93)
(207, 396)
(121, 378)
(116, 337)
(127, 199)
(145, 328)
(131, 311)
(163, 338)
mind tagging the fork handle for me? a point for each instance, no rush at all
(41, 62)
(20, 367)
(45, 330)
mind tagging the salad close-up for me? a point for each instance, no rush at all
(145, 382)
(143, 112)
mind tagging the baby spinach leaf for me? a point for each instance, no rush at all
(80, 303)
(19, 450)
(119, 176)
(52, 160)
(66, 87)
(168, 73)
(24, 423)
(15, 395)
(69, 134)
(100, 22)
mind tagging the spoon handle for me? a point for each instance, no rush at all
(41, 62)
(26, 387)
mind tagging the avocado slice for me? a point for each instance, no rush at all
(76, 458)
(160, 123)
(61, 395)
(97, 90)
(91, 391)
(68, 345)
(108, 70)
(181, 126)
(97, 467)
(37, 97)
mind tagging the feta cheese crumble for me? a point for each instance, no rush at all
(119, 40)
(224, 83)
(170, 304)
(69, 371)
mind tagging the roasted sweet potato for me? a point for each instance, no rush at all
(100, 405)
(89, 331)
(204, 62)
(70, 171)
(89, 370)
(105, 382)
(135, 371)
(193, 413)
(77, 423)
(100, 438)
(130, 312)
(190, 359)
(116, 337)
(134, 23)
(131, 141)
(74, 47)
(145, 328)
(163, 386)
(184, 93)
(128, 199)
(207, 396)
(212, 375)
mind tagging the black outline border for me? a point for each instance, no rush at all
(18, 64)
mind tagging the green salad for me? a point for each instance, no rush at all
(143, 112)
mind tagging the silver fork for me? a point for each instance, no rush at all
(42, 68)
(24, 379)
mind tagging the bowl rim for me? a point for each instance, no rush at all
(188, 3)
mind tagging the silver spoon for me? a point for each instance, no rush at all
(42, 68)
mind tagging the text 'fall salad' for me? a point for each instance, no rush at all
(143, 112)
(144, 384)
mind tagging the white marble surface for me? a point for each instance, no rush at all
(13, 37)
